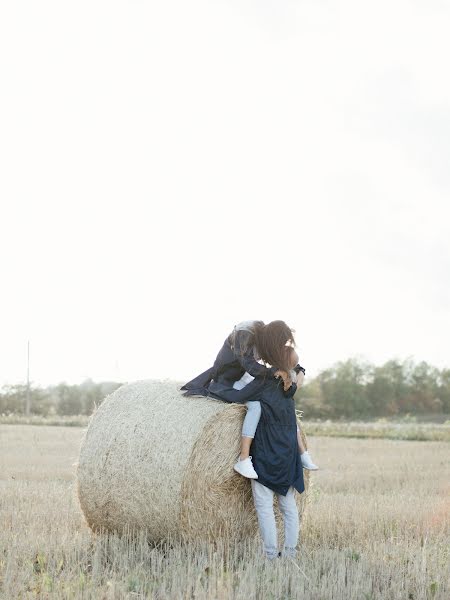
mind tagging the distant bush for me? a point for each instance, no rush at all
(357, 389)
(61, 399)
(352, 389)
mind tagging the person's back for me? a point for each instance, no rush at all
(275, 450)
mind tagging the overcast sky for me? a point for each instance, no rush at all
(171, 168)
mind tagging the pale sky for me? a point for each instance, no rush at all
(169, 169)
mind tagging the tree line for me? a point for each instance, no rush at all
(61, 399)
(352, 389)
(357, 389)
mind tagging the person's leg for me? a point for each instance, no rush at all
(244, 465)
(306, 459)
(199, 385)
(289, 510)
(249, 426)
(263, 499)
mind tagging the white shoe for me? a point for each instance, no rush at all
(245, 468)
(307, 463)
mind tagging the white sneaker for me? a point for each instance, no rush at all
(307, 462)
(245, 468)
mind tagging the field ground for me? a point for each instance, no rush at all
(377, 527)
(406, 428)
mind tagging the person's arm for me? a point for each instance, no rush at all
(297, 374)
(300, 379)
(298, 368)
(251, 391)
(290, 391)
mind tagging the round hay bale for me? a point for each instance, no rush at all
(157, 461)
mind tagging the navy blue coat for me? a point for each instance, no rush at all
(234, 359)
(275, 450)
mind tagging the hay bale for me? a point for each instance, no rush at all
(155, 460)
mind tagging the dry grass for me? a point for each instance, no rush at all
(153, 459)
(376, 528)
(382, 428)
(406, 428)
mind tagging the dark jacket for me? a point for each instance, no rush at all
(275, 450)
(234, 359)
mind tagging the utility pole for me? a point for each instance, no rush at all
(27, 405)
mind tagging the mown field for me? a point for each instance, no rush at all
(377, 527)
(400, 429)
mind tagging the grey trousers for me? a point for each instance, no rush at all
(251, 418)
(263, 499)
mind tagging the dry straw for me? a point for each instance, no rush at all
(155, 460)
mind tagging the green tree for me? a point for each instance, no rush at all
(443, 389)
(424, 391)
(344, 388)
(13, 398)
(69, 399)
(389, 388)
(309, 398)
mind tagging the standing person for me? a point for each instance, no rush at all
(276, 455)
(237, 364)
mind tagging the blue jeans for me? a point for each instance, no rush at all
(263, 499)
(251, 418)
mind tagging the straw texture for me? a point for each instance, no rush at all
(155, 460)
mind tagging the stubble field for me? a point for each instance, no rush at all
(377, 527)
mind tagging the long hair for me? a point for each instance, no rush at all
(271, 341)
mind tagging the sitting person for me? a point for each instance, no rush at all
(238, 363)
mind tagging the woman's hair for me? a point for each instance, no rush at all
(271, 341)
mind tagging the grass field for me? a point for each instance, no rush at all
(377, 527)
(398, 429)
